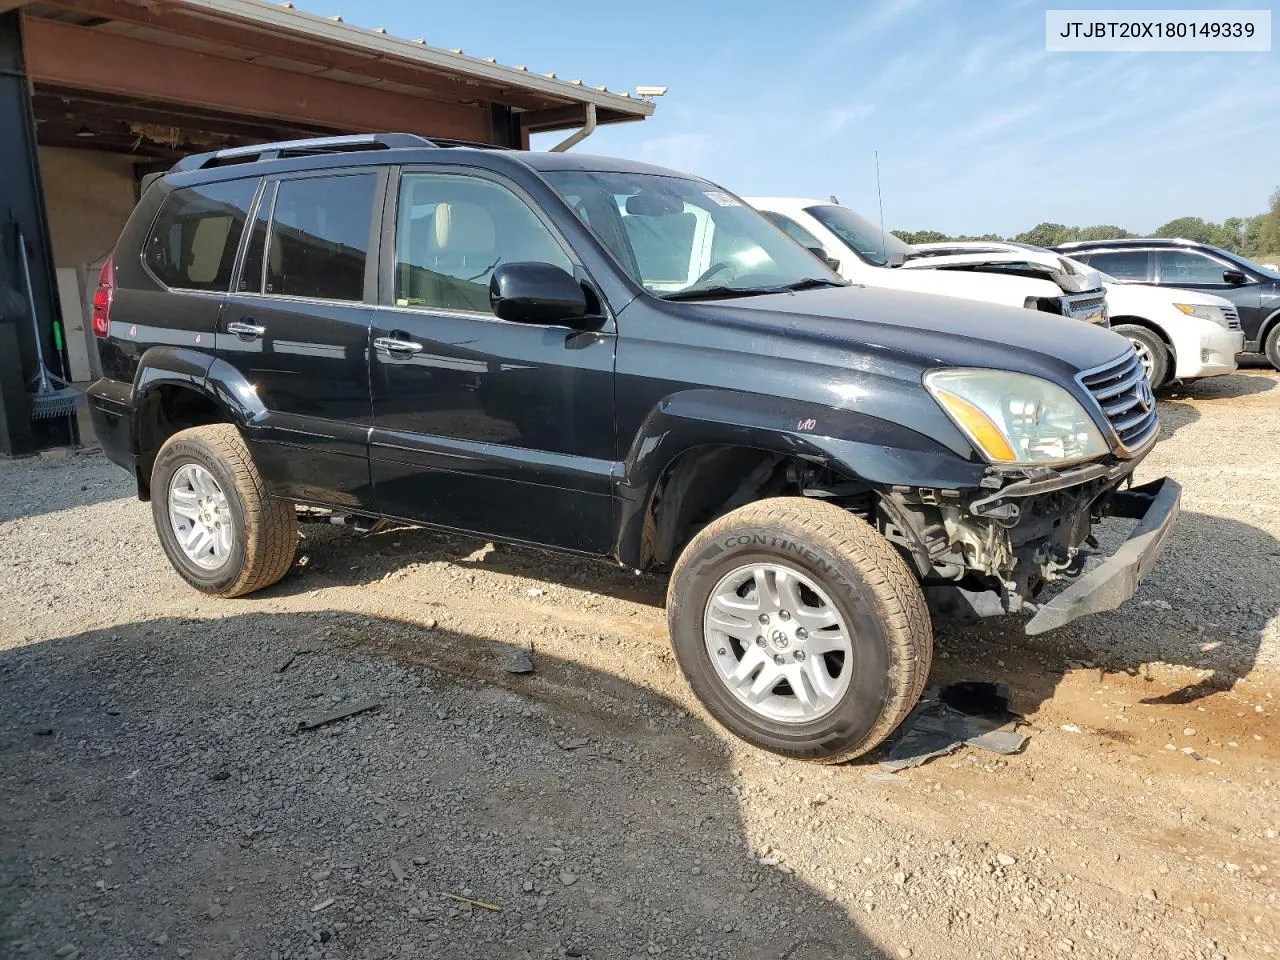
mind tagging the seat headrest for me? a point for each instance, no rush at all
(463, 229)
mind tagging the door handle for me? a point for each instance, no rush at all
(396, 346)
(246, 331)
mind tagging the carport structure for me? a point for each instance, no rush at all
(95, 94)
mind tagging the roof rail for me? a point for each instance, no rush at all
(299, 148)
(474, 144)
(1133, 241)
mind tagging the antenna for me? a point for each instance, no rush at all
(880, 197)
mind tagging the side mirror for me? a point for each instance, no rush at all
(541, 293)
(833, 263)
(1234, 277)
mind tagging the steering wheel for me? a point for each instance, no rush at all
(711, 271)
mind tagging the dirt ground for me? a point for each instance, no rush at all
(159, 800)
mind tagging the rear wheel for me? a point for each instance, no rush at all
(1151, 350)
(1272, 346)
(800, 628)
(218, 526)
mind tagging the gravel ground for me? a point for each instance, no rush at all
(160, 800)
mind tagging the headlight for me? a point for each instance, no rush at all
(1212, 314)
(1015, 417)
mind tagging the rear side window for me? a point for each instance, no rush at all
(193, 243)
(318, 240)
(1123, 264)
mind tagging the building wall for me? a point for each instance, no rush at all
(89, 196)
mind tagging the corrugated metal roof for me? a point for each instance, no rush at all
(285, 17)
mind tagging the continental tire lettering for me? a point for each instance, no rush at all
(782, 544)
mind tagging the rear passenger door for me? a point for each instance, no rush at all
(296, 327)
(1131, 265)
(481, 424)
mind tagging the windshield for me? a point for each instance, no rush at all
(1250, 265)
(863, 237)
(679, 238)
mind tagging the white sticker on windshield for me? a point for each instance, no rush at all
(723, 199)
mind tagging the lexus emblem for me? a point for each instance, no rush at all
(1146, 399)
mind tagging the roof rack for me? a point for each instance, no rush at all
(300, 148)
(474, 144)
(1132, 241)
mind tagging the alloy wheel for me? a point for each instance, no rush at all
(778, 643)
(200, 517)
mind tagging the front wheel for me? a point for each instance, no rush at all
(1151, 350)
(219, 527)
(1272, 347)
(800, 628)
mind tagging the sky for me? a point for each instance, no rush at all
(978, 128)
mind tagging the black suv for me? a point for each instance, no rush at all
(1252, 287)
(619, 361)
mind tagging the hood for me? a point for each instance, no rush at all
(928, 330)
(1071, 276)
(1124, 297)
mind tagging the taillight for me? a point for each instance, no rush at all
(102, 298)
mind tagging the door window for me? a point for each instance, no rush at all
(1122, 264)
(452, 232)
(193, 242)
(1185, 266)
(318, 240)
(792, 229)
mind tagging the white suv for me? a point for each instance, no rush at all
(1041, 280)
(1179, 334)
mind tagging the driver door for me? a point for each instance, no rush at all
(480, 424)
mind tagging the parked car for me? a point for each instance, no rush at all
(1178, 334)
(620, 361)
(863, 253)
(1253, 287)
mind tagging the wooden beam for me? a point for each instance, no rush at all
(89, 59)
(186, 21)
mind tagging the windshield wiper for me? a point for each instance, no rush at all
(808, 283)
(718, 292)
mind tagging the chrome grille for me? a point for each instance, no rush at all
(1123, 392)
(1090, 308)
(1233, 317)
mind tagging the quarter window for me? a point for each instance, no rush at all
(193, 243)
(318, 240)
(1123, 264)
(1183, 266)
(453, 231)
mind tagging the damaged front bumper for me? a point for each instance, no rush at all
(1115, 579)
(996, 553)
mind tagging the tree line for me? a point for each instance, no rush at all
(1256, 236)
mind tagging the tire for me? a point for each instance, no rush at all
(868, 588)
(1148, 343)
(256, 535)
(1272, 346)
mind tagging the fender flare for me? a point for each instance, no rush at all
(877, 451)
(202, 373)
(190, 370)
